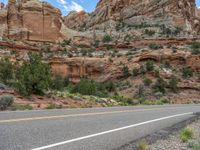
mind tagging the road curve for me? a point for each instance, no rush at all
(86, 129)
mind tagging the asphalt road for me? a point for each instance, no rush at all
(86, 129)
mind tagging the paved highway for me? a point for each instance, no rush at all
(86, 129)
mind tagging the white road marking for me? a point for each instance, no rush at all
(110, 131)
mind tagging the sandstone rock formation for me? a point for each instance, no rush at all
(169, 12)
(32, 20)
(74, 20)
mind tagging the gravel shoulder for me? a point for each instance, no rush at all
(169, 138)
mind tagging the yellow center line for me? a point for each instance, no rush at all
(84, 114)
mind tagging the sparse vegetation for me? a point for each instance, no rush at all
(142, 145)
(5, 102)
(147, 81)
(195, 48)
(155, 46)
(186, 134)
(135, 72)
(6, 70)
(173, 84)
(107, 38)
(160, 85)
(149, 65)
(21, 107)
(194, 145)
(125, 71)
(187, 72)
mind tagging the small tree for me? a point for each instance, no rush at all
(6, 70)
(85, 87)
(187, 72)
(135, 72)
(147, 81)
(149, 65)
(58, 82)
(110, 86)
(125, 71)
(160, 86)
(107, 38)
(34, 76)
(173, 84)
(195, 48)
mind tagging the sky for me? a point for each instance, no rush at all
(77, 5)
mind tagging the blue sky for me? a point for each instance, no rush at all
(68, 5)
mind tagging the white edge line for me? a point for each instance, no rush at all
(110, 131)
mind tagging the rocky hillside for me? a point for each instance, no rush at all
(133, 51)
(171, 13)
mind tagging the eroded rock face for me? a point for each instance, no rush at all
(74, 20)
(3, 20)
(33, 20)
(76, 68)
(169, 12)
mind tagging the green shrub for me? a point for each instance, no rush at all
(142, 145)
(187, 72)
(110, 86)
(196, 51)
(125, 71)
(85, 87)
(160, 86)
(155, 46)
(186, 134)
(34, 76)
(107, 38)
(2, 86)
(6, 70)
(195, 48)
(173, 84)
(194, 145)
(58, 82)
(135, 72)
(147, 81)
(140, 92)
(21, 107)
(66, 42)
(51, 106)
(149, 65)
(149, 32)
(5, 102)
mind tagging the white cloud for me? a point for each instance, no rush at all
(63, 2)
(73, 6)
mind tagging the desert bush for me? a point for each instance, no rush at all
(142, 145)
(107, 38)
(173, 84)
(194, 145)
(160, 85)
(21, 107)
(147, 81)
(125, 71)
(58, 82)
(195, 48)
(85, 87)
(66, 42)
(149, 32)
(155, 46)
(5, 102)
(51, 106)
(34, 76)
(149, 65)
(135, 72)
(187, 72)
(186, 134)
(6, 70)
